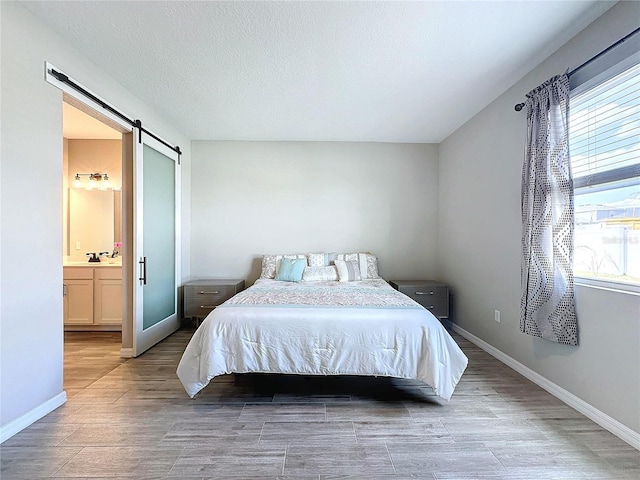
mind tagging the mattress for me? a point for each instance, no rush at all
(323, 328)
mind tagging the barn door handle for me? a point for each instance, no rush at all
(143, 270)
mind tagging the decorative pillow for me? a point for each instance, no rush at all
(321, 259)
(317, 274)
(291, 269)
(372, 266)
(348, 270)
(268, 266)
(367, 263)
(271, 264)
(316, 260)
(292, 256)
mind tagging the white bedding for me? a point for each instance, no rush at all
(323, 328)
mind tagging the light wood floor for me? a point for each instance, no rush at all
(132, 419)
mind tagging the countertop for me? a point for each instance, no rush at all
(105, 262)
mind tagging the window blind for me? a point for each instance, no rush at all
(604, 131)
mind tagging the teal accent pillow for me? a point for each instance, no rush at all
(291, 269)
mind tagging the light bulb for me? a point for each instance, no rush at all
(92, 184)
(76, 182)
(105, 182)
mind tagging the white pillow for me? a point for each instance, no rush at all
(321, 259)
(320, 274)
(367, 263)
(348, 270)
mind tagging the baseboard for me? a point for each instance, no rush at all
(93, 328)
(126, 352)
(15, 426)
(605, 421)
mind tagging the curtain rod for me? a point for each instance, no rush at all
(134, 123)
(520, 106)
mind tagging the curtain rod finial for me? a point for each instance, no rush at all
(519, 106)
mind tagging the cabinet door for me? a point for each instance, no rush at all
(78, 302)
(108, 302)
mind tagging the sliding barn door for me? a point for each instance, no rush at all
(156, 218)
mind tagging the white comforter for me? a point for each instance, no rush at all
(323, 328)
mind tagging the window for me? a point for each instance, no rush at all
(604, 144)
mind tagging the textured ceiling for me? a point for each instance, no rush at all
(317, 71)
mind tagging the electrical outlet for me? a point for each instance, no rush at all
(496, 315)
(77, 245)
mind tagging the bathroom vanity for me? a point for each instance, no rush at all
(92, 296)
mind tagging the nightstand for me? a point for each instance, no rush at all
(432, 295)
(202, 296)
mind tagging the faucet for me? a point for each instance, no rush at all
(116, 249)
(93, 257)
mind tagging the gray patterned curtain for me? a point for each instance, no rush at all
(547, 306)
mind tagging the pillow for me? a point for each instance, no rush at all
(291, 269)
(268, 266)
(348, 270)
(316, 260)
(372, 266)
(318, 274)
(271, 264)
(321, 259)
(279, 259)
(367, 263)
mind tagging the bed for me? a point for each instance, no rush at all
(323, 324)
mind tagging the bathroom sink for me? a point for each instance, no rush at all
(111, 262)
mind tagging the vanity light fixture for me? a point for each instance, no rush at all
(96, 180)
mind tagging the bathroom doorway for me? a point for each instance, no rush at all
(92, 227)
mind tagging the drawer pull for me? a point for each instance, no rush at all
(208, 306)
(209, 293)
(424, 293)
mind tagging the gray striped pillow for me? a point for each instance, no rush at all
(348, 270)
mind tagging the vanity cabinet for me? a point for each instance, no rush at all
(78, 296)
(107, 296)
(93, 298)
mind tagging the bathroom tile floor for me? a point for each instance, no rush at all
(131, 419)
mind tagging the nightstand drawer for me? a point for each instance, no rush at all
(424, 294)
(202, 296)
(439, 306)
(193, 308)
(211, 295)
(199, 300)
(432, 295)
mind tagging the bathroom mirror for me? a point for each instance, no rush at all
(94, 221)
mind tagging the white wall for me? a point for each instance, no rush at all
(480, 244)
(91, 156)
(251, 198)
(31, 234)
